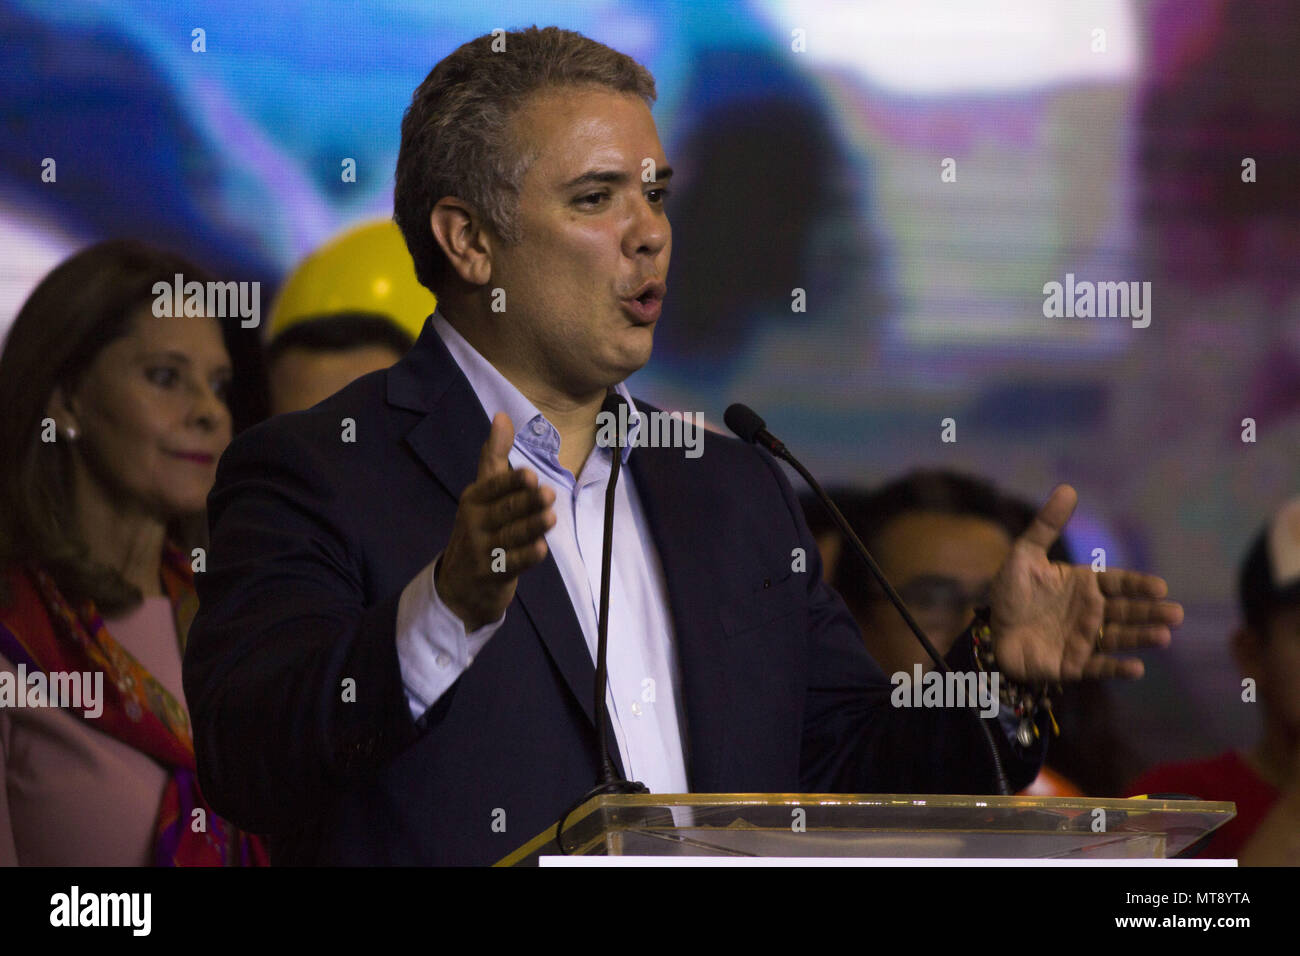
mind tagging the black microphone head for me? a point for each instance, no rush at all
(744, 421)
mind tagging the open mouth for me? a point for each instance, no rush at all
(645, 307)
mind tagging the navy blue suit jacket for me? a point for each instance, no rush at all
(313, 540)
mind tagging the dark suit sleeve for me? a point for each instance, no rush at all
(292, 680)
(855, 740)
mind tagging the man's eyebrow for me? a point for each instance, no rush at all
(613, 176)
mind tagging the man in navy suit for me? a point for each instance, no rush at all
(393, 657)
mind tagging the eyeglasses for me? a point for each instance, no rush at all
(938, 598)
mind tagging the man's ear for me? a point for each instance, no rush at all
(464, 239)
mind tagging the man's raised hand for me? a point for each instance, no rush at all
(500, 531)
(1047, 617)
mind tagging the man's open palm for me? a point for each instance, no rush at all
(1046, 616)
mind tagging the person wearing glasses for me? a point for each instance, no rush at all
(939, 536)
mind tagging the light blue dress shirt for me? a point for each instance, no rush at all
(433, 648)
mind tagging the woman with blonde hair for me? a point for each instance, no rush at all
(115, 417)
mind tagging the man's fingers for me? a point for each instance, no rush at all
(1103, 666)
(518, 504)
(1142, 611)
(493, 459)
(487, 490)
(1133, 584)
(1131, 637)
(1051, 518)
(1135, 616)
(525, 531)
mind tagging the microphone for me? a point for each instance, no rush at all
(609, 780)
(749, 426)
(613, 405)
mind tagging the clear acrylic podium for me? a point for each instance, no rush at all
(889, 825)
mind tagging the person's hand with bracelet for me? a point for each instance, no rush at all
(1051, 623)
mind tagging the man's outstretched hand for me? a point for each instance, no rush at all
(499, 532)
(1046, 616)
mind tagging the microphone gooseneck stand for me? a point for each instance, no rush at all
(748, 426)
(609, 781)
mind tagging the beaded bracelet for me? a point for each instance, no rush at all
(1024, 701)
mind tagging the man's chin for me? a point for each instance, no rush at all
(615, 373)
(637, 358)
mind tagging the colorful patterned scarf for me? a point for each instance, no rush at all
(40, 629)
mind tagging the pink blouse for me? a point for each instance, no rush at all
(72, 795)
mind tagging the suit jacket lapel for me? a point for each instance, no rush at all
(448, 441)
(454, 428)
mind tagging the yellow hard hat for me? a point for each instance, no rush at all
(366, 268)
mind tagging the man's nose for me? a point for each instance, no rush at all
(649, 231)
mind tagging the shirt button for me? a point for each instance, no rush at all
(470, 661)
(442, 660)
(539, 427)
(636, 707)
